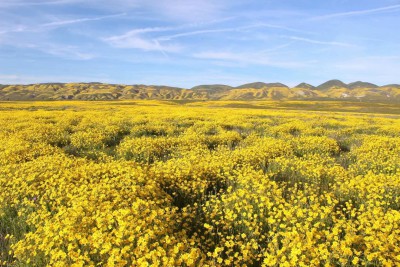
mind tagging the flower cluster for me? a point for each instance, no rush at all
(162, 184)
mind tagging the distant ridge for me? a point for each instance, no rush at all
(360, 84)
(277, 85)
(260, 85)
(255, 85)
(330, 90)
(212, 87)
(305, 86)
(332, 83)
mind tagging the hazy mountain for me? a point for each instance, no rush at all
(360, 84)
(277, 85)
(332, 83)
(260, 85)
(255, 85)
(333, 89)
(305, 86)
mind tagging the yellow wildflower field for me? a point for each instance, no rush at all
(162, 183)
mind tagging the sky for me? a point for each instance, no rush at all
(190, 42)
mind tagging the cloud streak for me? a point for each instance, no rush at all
(18, 28)
(166, 28)
(234, 29)
(248, 58)
(136, 38)
(392, 8)
(69, 52)
(73, 21)
(28, 3)
(55, 24)
(28, 79)
(312, 41)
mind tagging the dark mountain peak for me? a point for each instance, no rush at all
(212, 87)
(332, 83)
(360, 84)
(255, 85)
(305, 86)
(277, 85)
(259, 85)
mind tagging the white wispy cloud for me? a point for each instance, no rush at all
(80, 20)
(24, 40)
(313, 41)
(28, 79)
(16, 3)
(178, 10)
(54, 24)
(16, 28)
(232, 29)
(392, 8)
(188, 11)
(248, 58)
(66, 51)
(191, 33)
(134, 39)
(58, 50)
(167, 28)
(135, 32)
(274, 26)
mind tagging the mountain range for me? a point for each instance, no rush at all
(330, 90)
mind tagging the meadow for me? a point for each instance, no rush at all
(199, 183)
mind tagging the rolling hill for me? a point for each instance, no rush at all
(305, 86)
(331, 84)
(360, 84)
(333, 89)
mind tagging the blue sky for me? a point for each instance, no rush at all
(185, 43)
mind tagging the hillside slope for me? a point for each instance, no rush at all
(333, 89)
